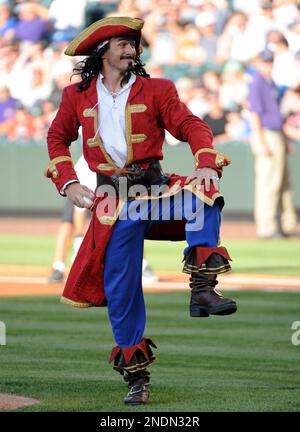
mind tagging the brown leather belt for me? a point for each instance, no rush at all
(146, 173)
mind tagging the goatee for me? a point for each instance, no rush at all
(130, 66)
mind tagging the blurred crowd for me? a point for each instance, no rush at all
(205, 46)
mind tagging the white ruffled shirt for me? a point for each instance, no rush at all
(112, 125)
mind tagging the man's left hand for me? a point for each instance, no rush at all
(206, 174)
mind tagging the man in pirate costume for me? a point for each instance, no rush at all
(123, 114)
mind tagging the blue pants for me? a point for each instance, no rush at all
(124, 256)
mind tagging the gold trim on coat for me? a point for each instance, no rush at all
(52, 165)
(192, 187)
(69, 302)
(105, 167)
(128, 126)
(220, 157)
(138, 108)
(89, 112)
(110, 220)
(137, 138)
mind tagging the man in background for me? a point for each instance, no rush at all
(274, 212)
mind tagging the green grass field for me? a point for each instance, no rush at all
(249, 256)
(243, 362)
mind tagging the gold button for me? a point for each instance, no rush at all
(55, 174)
(220, 162)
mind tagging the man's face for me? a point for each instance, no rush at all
(120, 54)
(265, 68)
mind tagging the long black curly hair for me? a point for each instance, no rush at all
(92, 65)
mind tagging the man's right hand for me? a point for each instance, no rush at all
(75, 192)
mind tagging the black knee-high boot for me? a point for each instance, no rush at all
(139, 387)
(204, 264)
(205, 299)
(132, 362)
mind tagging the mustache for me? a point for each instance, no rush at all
(128, 57)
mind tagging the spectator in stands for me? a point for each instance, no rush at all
(189, 47)
(155, 71)
(206, 22)
(284, 12)
(237, 41)
(295, 26)
(30, 67)
(185, 87)
(48, 111)
(98, 9)
(220, 11)
(61, 73)
(237, 127)
(38, 90)
(54, 53)
(30, 26)
(8, 57)
(39, 129)
(192, 96)
(211, 80)
(7, 104)
(285, 71)
(7, 22)
(18, 128)
(247, 7)
(233, 86)
(263, 18)
(164, 44)
(65, 24)
(216, 118)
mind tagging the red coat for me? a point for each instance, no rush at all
(153, 105)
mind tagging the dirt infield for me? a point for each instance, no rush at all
(47, 226)
(29, 281)
(11, 402)
(234, 230)
(32, 280)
